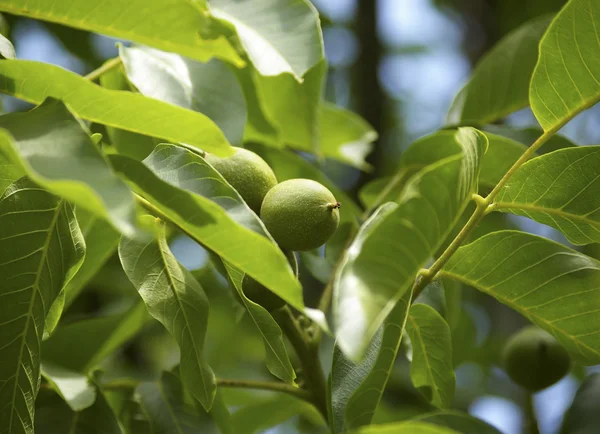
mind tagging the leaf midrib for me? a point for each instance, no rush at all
(35, 292)
(179, 303)
(517, 307)
(553, 211)
(417, 330)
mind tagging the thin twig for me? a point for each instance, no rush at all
(106, 66)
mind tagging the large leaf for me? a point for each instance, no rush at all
(279, 36)
(461, 422)
(35, 81)
(408, 427)
(356, 388)
(49, 144)
(293, 108)
(75, 388)
(54, 416)
(345, 136)
(431, 366)
(566, 79)
(41, 248)
(96, 339)
(209, 88)
(383, 261)
(101, 241)
(559, 189)
(555, 287)
(127, 143)
(177, 300)
(171, 411)
(500, 82)
(207, 222)
(277, 359)
(172, 25)
(583, 417)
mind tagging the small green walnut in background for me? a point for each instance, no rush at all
(259, 294)
(249, 174)
(534, 359)
(300, 214)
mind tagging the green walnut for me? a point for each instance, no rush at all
(249, 174)
(534, 359)
(259, 294)
(300, 214)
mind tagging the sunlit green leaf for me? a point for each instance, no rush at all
(277, 359)
(6, 48)
(431, 367)
(96, 339)
(175, 25)
(382, 263)
(53, 149)
(205, 220)
(75, 388)
(356, 388)
(500, 82)
(461, 422)
(345, 136)
(171, 410)
(527, 136)
(408, 427)
(41, 248)
(555, 287)
(279, 36)
(127, 143)
(566, 79)
(209, 88)
(177, 300)
(35, 81)
(559, 189)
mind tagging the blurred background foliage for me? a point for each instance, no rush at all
(399, 63)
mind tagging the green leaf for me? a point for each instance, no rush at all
(583, 417)
(171, 411)
(500, 82)
(96, 339)
(207, 222)
(75, 388)
(101, 241)
(528, 135)
(356, 388)
(53, 416)
(460, 422)
(378, 269)
(41, 248)
(209, 88)
(566, 79)
(550, 284)
(431, 366)
(559, 189)
(6, 48)
(127, 143)
(261, 415)
(277, 359)
(294, 108)
(345, 136)
(279, 36)
(60, 156)
(178, 26)
(35, 81)
(177, 300)
(408, 427)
